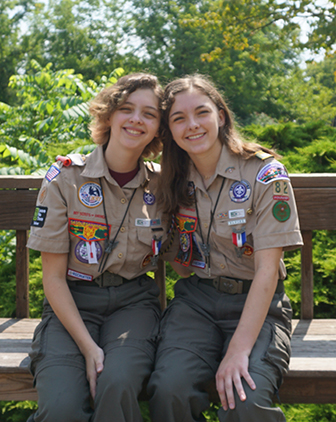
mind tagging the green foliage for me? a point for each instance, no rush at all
(12, 411)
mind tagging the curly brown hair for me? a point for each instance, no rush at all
(112, 97)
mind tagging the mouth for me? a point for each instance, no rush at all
(132, 131)
(196, 136)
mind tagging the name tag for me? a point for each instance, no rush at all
(147, 222)
(235, 222)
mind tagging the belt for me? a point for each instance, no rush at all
(234, 286)
(106, 279)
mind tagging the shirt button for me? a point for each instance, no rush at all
(122, 229)
(120, 255)
(206, 196)
(123, 200)
(206, 225)
(222, 266)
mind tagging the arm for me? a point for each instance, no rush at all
(59, 296)
(234, 365)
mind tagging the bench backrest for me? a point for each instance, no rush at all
(315, 197)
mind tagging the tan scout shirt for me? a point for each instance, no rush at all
(70, 218)
(250, 215)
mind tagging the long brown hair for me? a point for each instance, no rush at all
(112, 97)
(175, 161)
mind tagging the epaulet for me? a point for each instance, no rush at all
(153, 167)
(262, 155)
(72, 160)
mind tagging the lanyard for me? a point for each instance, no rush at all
(111, 244)
(206, 246)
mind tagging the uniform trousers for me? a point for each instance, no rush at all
(124, 322)
(196, 329)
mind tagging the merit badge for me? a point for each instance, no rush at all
(280, 190)
(90, 194)
(281, 211)
(197, 257)
(272, 171)
(89, 231)
(39, 217)
(184, 242)
(52, 173)
(240, 191)
(149, 198)
(238, 237)
(80, 276)
(86, 254)
(184, 255)
(185, 223)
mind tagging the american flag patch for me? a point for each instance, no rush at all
(52, 173)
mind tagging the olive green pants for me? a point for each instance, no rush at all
(124, 322)
(195, 332)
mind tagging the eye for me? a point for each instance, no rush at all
(125, 109)
(177, 119)
(149, 114)
(204, 112)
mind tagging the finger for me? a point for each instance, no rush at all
(93, 384)
(99, 367)
(250, 381)
(239, 388)
(229, 393)
(221, 392)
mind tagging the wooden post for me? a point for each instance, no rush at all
(22, 274)
(307, 282)
(160, 279)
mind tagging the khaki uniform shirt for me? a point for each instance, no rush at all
(70, 218)
(256, 210)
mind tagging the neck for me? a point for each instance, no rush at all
(206, 164)
(120, 160)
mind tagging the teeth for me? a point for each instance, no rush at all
(133, 132)
(199, 135)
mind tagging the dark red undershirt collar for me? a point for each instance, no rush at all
(123, 178)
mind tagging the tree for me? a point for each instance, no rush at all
(12, 13)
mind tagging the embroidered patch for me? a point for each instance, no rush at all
(81, 251)
(236, 222)
(281, 211)
(149, 198)
(52, 173)
(146, 260)
(183, 257)
(185, 223)
(280, 190)
(272, 171)
(240, 191)
(80, 276)
(88, 230)
(247, 250)
(184, 242)
(90, 194)
(39, 217)
(197, 257)
(222, 215)
(42, 195)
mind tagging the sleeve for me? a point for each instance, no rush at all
(277, 223)
(49, 227)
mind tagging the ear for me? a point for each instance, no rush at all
(221, 118)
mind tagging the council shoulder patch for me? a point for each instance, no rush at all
(271, 172)
(39, 217)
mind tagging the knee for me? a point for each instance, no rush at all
(62, 410)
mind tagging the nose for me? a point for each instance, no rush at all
(136, 118)
(193, 124)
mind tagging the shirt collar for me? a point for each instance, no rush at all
(96, 167)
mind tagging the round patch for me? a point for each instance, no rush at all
(146, 260)
(90, 194)
(81, 251)
(42, 194)
(149, 198)
(247, 250)
(281, 211)
(184, 242)
(240, 191)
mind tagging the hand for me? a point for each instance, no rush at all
(94, 365)
(232, 369)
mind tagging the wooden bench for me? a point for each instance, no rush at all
(312, 375)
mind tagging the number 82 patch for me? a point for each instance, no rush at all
(281, 190)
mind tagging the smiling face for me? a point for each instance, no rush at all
(135, 123)
(194, 121)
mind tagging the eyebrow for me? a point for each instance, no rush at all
(146, 106)
(181, 112)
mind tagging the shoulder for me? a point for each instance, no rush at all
(63, 165)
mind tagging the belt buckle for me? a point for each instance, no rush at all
(111, 280)
(228, 285)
